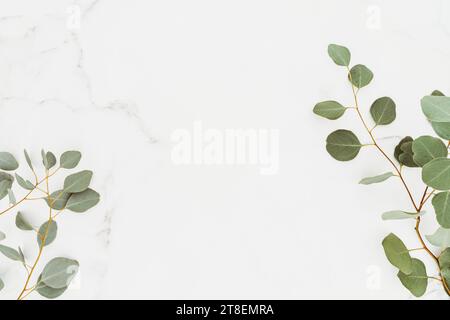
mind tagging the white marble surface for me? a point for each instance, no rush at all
(116, 81)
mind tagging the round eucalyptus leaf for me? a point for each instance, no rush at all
(340, 55)
(50, 234)
(22, 223)
(343, 145)
(436, 108)
(82, 201)
(49, 160)
(48, 292)
(331, 110)
(70, 159)
(58, 273)
(383, 111)
(440, 239)
(441, 204)
(377, 179)
(417, 281)
(404, 154)
(360, 76)
(442, 129)
(427, 148)
(77, 182)
(26, 184)
(57, 200)
(436, 174)
(397, 253)
(400, 215)
(8, 162)
(10, 253)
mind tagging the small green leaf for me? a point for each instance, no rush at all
(331, 110)
(22, 256)
(80, 202)
(436, 174)
(57, 200)
(70, 159)
(360, 76)
(2, 236)
(5, 185)
(441, 204)
(436, 108)
(50, 160)
(22, 223)
(397, 253)
(78, 182)
(404, 154)
(26, 184)
(27, 157)
(58, 273)
(377, 179)
(340, 55)
(343, 145)
(400, 215)
(10, 253)
(417, 281)
(383, 111)
(440, 239)
(51, 233)
(44, 158)
(437, 93)
(427, 148)
(8, 162)
(48, 292)
(12, 197)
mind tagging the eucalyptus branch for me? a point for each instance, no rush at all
(426, 152)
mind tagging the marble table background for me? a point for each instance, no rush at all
(114, 79)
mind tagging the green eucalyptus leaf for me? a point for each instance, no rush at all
(2, 236)
(44, 158)
(427, 148)
(416, 281)
(339, 54)
(5, 185)
(27, 157)
(331, 110)
(22, 223)
(22, 256)
(48, 292)
(70, 159)
(10, 253)
(360, 76)
(2, 285)
(383, 111)
(397, 253)
(12, 197)
(377, 179)
(26, 184)
(80, 202)
(51, 233)
(58, 273)
(437, 93)
(404, 153)
(436, 108)
(441, 204)
(400, 215)
(8, 162)
(78, 182)
(343, 145)
(50, 160)
(440, 239)
(436, 174)
(444, 259)
(57, 200)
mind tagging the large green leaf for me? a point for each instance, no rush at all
(436, 174)
(69, 159)
(441, 204)
(58, 273)
(417, 281)
(48, 292)
(360, 76)
(80, 202)
(26, 184)
(383, 111)
(436, 108)
(427, 148)
(377, 179)
(77, 182)
(400, 215)
(343, 145)
(22, 223)
(57, 200)
(331, 110)
(440, 239)
(10, 253)
(51, 233)
(340, 55)
(8, 162)
(397, 253)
